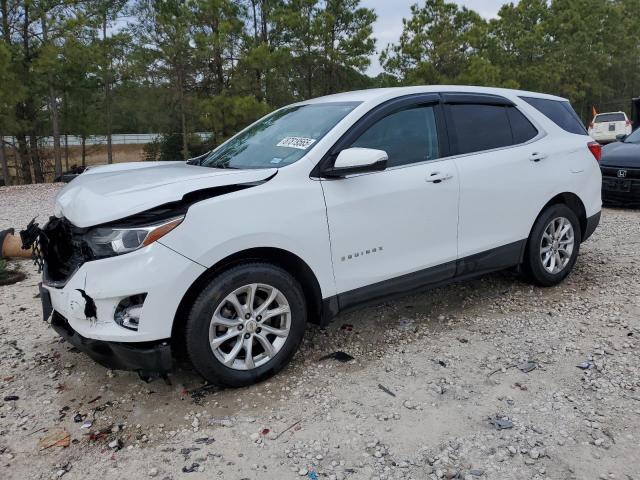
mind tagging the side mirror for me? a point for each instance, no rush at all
(620, 137)
(357, 160)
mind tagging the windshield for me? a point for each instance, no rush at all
(279, 139)
(633, 137)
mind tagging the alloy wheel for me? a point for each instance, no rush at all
(250, 326)
(556, 245)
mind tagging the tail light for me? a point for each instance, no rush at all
(628, 123)
(596, 150)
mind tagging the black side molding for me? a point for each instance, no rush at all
(492, 260)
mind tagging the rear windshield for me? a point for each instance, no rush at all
(609, 117)
(559, 112)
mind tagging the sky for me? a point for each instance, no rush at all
(388, 27)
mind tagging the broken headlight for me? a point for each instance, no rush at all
(110, 241)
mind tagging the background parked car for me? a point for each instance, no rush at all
(605, 127)
(620, 166)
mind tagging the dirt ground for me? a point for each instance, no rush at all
(430, 371)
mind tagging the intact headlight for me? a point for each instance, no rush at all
(109, 241)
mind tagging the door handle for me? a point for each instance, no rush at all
(438, 177)
(537, 156)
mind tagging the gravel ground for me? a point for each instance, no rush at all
(430, 372)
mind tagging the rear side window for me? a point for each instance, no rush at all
(559, 112)
(609, 117)
(408, 136)
(521, 127)
(480, 127)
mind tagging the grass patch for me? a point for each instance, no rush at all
(10, 275)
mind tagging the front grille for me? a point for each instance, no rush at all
(613, 172)
(63, 250)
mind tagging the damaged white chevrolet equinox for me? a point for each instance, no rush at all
(312, 210)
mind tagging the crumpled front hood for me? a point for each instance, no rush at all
(621, 154)
(108, 193)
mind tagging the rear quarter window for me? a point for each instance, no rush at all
(521, 127)
(559, 112)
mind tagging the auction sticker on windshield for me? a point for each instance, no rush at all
(301, 143)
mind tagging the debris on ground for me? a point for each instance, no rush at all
(527, 367)
(386, 390)
(501, 423)
(55, 438)
(338, 355)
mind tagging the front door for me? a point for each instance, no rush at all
(396, 229)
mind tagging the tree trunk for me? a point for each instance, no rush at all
(53, 105)
(107, 91)
(25, 164)
(183, 115)
(35, 158)
(4, 10)
(66, 152)
(4, 161)
(84, 150)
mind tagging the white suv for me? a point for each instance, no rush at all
(607, 127)
(315, 209)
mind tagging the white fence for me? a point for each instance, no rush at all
(116, 139)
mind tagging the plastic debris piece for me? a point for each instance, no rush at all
(527, 367)
(386, 390)
(194, 467)
(347, 327)
(264, 432)
(56, 438)
(86, 424)
(116, 444)
(77, 418)
(205, 440)
(11, 398)
(339, 355)
(585, 365)
(501, 423)
(312, 475)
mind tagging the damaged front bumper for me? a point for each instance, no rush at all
(149, 358)
(147, 285)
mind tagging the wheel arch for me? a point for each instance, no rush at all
(572, 201)
(284, 259)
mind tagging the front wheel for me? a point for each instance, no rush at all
(246, 325)
(552, 248)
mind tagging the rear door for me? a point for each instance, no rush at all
(503, 172)
(396, 229)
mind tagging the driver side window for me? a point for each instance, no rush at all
(408, 136)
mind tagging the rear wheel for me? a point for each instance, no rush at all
(246, 325)
(552, 248)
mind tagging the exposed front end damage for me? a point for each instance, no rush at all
(109, 287)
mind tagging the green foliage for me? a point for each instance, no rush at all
(224, 115)
(169, 147)
(585, 50)
(176, 67)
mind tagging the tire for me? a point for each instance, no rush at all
(225, 296)
(552, 272)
